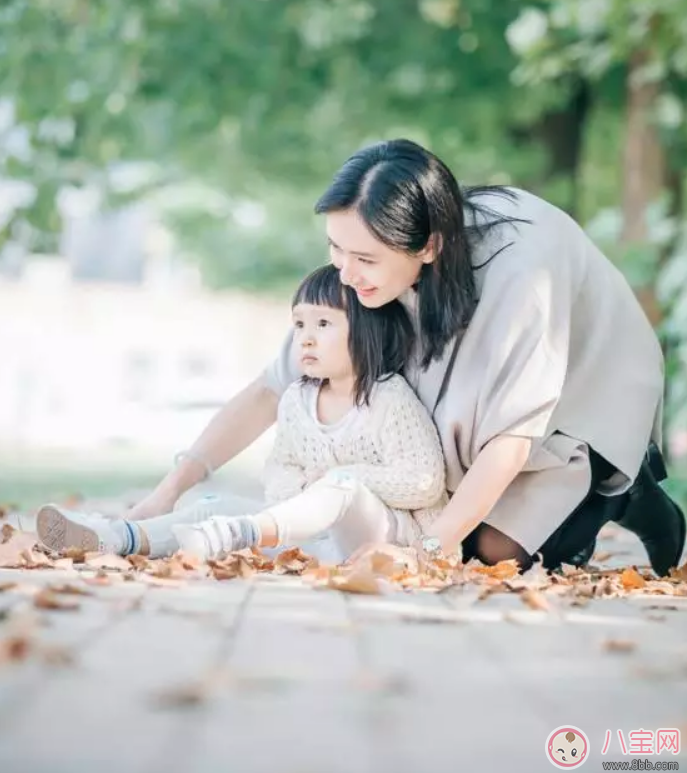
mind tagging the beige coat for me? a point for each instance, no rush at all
(558, 350)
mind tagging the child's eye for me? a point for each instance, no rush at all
(323, 323)
(298, 324)
(365, 261)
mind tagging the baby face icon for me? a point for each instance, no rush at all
(567, 747)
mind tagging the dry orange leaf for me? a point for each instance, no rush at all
(46, 599)
(15, 547)
(356, 581)
(15, 648)
(107, 561)
(504, 570)
(619, 645)
(631, 579)
(78, 555)
(679, 574)
(535, 600)
(294, 561)
(69, 589)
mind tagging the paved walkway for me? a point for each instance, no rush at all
(267, 675)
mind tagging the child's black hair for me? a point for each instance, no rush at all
(380, 341)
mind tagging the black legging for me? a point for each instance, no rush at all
(490, 545)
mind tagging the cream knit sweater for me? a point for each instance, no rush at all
(391, 446)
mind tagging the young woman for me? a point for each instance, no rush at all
(356, 456)
(534, 358)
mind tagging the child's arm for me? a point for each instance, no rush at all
(283, 476)
(412, 474)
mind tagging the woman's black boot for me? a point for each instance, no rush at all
(653, 516)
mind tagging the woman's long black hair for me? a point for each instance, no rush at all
(406, 195)
(380, 341)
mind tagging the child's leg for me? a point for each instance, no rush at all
(59, 528)
(348, 510)
(344, 507)
(157, 537)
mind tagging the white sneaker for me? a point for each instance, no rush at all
(59, 528)
(206, 539)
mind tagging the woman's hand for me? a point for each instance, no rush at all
(156, 503)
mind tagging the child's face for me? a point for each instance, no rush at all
(321, 335)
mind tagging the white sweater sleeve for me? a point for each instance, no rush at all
(412, 474)
(284, 476)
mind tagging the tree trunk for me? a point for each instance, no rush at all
(644, 169)
(646, 175)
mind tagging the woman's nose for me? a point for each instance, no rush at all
(346, 272)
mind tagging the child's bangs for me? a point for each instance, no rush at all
(322, 288)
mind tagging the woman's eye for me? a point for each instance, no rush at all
(365, 261)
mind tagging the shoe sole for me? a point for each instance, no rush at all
(58, 532)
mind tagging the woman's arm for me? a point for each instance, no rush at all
(492, 472)
(241, 421)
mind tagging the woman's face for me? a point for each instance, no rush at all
(376, 272)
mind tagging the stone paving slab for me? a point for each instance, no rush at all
(270, 675)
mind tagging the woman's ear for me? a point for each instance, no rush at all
(433, 247)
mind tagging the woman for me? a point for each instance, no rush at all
(541, 372)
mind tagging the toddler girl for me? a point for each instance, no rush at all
(356, 455)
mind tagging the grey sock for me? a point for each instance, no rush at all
(119, 527)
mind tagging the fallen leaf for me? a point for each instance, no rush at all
(192, 694)
(138, 562)
(679, 574)
(107, 561)
(293, 561)
(56, 656)
(34, 559)
(69, 589)
(14, 546)
(225, 569)
(77, 555)
(15, 648)
(631, 579)
(504, 570)
(46, 599)
(63, 563)
(6, 533)
(619, 645)
(535, 599)
(356, 581)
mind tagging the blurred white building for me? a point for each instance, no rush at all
(91, 365)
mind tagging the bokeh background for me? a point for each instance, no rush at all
(159, 161)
